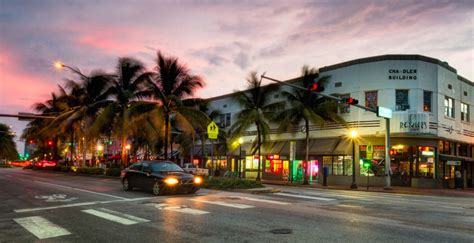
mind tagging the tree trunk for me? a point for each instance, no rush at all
(259, 154)
(167, 119)
(72, 147)
(124, 152)
(84, 152)
(203, 152)
(305, 169)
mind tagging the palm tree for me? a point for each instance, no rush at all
(89, 96)
(7, 145)
(169, 86)
(305, 107)
(256, 109)
(126, 87)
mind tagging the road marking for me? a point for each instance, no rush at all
(124, 215)
(77, 205)
(56, 198)
(303, 196)
(220, 203)
(110, 217)
(260, 200)
(82, 190)
(178, 208)
(41, 227)
(8, 176)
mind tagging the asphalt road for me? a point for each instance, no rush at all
(53, 207)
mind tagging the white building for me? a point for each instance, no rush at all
(432, 132)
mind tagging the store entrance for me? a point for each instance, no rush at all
(401, 165)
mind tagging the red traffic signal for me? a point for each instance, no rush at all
(350, 101)
(315, 87)
(50, 143)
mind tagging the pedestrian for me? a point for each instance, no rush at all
(458, 182)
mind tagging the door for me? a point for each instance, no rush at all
(145, 176)
(134, 174)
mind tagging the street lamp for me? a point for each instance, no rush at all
(353, 137)
(59, 65)
(239, 166)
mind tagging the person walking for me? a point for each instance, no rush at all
(458, 179)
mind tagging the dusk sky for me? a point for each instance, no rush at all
(220, 40)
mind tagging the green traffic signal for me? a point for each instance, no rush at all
(366, 163)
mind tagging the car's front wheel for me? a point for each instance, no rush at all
(157, 188)
(126, 185)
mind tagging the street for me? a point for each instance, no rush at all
(56, 207)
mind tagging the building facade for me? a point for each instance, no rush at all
(432, 132)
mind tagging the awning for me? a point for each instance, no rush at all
(455, 158)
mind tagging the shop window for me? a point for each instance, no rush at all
(448, 107)
(427, 100)
(251, 162)
(426, 162)
(463, 150)
(338, 165)
(344, 108)
(401, 100)
(348, 165)
(371, 99)
(327, 163)
(464, 112)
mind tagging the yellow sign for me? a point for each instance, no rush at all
(212, 130)
(370, 151)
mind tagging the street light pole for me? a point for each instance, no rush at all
(353, 136)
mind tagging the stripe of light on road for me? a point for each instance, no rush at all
(82, 190)
(41, 227)
(260, 200)
(111, 217)
(304, 196)
(179, 208)
(220, 203)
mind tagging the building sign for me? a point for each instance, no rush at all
(404, 122)
(402, 74)
(450, 162)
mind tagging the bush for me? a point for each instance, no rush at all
(5, 166)
(66, 168)
(230, 183)
(113, 171)
(90, 170)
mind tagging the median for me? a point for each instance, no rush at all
(223, 183)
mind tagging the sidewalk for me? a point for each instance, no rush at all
(395, 189)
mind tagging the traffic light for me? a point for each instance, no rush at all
(350, 101)
(315, 87)
(50, 143)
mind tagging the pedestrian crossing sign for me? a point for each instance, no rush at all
(212, 130)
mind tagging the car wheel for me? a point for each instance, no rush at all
(126, 185)
(157, 188)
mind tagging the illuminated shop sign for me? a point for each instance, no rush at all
(410, 122)
(402, 74)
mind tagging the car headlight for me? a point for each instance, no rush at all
(197, 180)
(171, 181)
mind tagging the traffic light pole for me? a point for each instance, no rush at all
(387, 125)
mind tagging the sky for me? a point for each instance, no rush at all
(222, 41)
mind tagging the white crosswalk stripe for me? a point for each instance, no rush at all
(225, 204)
(259, 200)
(304, 196)
(178, 208)
(125, 219)
(41, 227)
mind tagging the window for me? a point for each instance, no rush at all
(465, 93)
(225, 106)
(327, 162)
(344, 108)
(427, 100)
(338, 84)
(464, 112)
(137, 167)
(338, 165)
(450, 86)
(449, 107)
(165, 166)
(276, 96)
(371, 99)
(224, 120)
(401, 100)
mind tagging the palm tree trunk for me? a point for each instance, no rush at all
(72, 146)
(305, 169)
(124, 154)
(203, 147)
(84, 152)
(167, 119)
(259, 154)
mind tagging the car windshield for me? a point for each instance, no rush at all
(191, 166)
(165, 166)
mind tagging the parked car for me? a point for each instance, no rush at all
(160, 177)
(45, 163)
(20, 163)
(193, 169)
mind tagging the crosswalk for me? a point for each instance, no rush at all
(43, 228)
